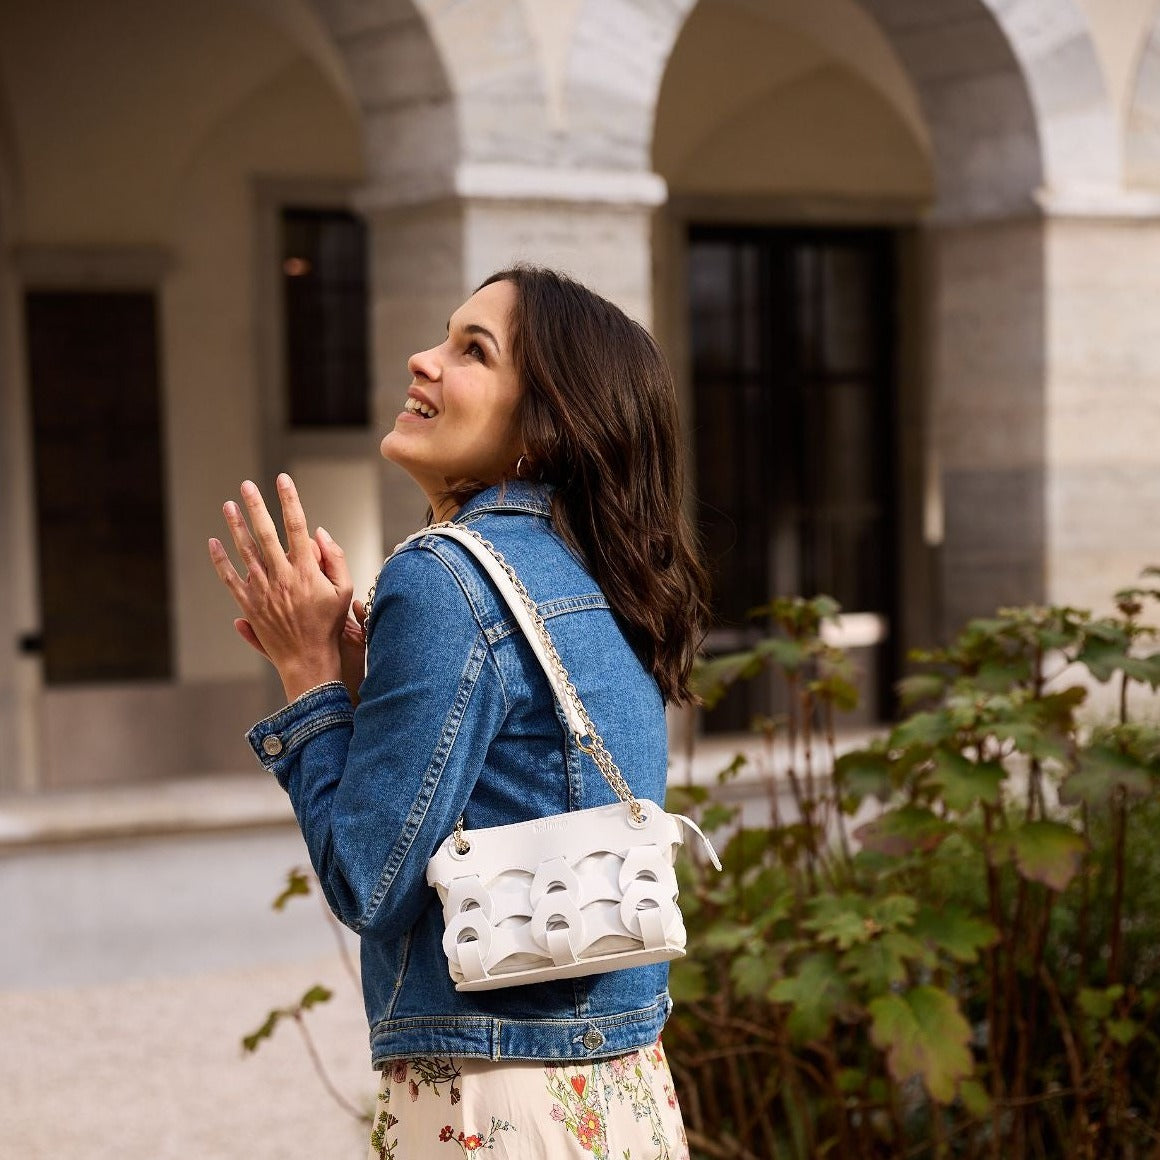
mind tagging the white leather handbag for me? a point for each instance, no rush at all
(574, 894)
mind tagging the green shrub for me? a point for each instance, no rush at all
(975, 969)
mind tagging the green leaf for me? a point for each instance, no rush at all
(816, 993)
(712, 679)
(726, 936)
(893, 911)
(1102, 770)
(825, 607)
(924, 1034)
(955, 932)
(717, 816)
(962, 782)
(838, 690)
(850, 1080)
(882, 962)
(730, 772)
(752, 973)
(920, 687)
(864, 773)
(1105, 653)
(1123, 1031)
(681, 799)
(250, 1042)
(922, 729)
(317, 994)
(1099, 1004)
(902, 831)
(975, 1098)
(297, 882)
(996, 676)
(786, 654)
(745, 849)
(1047, 852)
(841, 920)
(687, 981)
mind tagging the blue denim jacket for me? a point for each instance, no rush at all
(456, 717)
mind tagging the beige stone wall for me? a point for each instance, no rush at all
(218, 417)
(136, 136)
(1103, 407)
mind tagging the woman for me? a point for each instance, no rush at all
(547, 422)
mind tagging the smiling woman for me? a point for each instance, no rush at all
(458, 427)
(546, 423)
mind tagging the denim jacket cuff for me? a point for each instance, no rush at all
(275, 738)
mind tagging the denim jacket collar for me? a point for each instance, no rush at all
(518, 495)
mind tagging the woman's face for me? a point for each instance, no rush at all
(459, 420)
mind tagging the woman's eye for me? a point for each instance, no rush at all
(476, 351)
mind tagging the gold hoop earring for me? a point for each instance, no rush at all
(519, 466)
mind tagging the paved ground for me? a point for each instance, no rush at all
(129, 971)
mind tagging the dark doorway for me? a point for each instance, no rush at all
(100, 491)
(792, 336)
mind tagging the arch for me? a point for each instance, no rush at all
(398, 76)
(1011, 89)
(1142, 143)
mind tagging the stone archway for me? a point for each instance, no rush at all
(1013, 92)
(396, 70)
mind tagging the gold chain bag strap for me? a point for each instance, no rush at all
(574, 894)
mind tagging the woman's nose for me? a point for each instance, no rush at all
(425, 364)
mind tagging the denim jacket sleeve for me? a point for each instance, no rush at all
(376, 789)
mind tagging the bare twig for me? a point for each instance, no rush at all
(316, 1060)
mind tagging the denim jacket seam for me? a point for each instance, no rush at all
(610, 1021)
(431, 778)
(549, 610)
(404, 962)
(452, 562)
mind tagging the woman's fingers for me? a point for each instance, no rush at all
(265, 532)
(294, 519)
(243, 541)
(333, 563)
(222, 565)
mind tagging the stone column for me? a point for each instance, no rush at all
(986, 366)
(1103, 398)
(428, 257)
(19, 673)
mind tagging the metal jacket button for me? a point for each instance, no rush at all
(592, 1039)
(272, 745)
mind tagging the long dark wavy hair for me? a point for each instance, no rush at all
(598, 416)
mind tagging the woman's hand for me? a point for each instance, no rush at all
(294, 602)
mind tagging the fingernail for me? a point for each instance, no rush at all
(249, 488)
(284, 481)
(326, 535)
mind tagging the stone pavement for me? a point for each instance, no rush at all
(137, 946)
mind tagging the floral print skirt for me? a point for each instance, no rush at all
(617, 1109)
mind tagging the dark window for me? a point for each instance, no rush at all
(324, 282)
(100, 493)
(792, 343)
